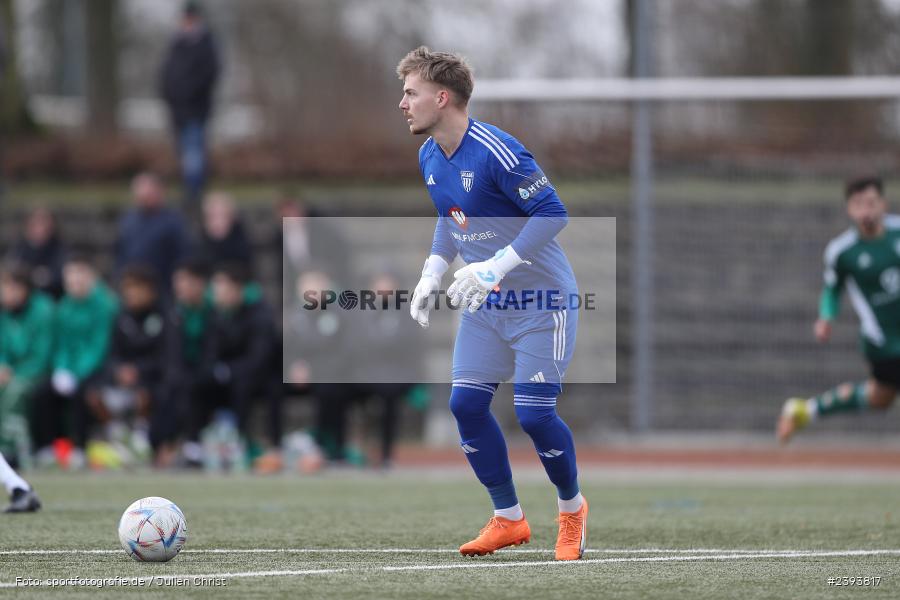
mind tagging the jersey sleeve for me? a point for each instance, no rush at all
(540, 229)
(524, 183)
(520, 179)
(443, 244)
(833, 284)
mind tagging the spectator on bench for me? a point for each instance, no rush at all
(82, 328)
(320, 346)
(346, 357)
(42, 250)
(240, 351)
(123, 400)
(224, 239)
(188, 323)
(305, 241)
(394, 350)
(26, 340)
(151, 233)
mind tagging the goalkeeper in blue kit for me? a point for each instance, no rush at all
(499, 212)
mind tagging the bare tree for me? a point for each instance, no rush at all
(782, 38)
(102, 65)
(14, 115)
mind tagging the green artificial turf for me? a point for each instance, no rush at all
(681, 532)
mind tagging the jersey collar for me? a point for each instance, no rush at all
(459, 146)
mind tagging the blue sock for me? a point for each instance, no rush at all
(536, 409)
(482, 440)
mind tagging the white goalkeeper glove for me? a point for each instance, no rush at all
(474, 282)
(423, 297)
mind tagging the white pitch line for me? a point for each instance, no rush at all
(628, 559)
(282, 573)
(427, 551)
(487, 564)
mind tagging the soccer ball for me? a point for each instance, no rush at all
(152, 529)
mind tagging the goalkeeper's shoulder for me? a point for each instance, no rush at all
(426, 148)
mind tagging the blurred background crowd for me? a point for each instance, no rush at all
(159, 346)
(166, 357)
(150, 150)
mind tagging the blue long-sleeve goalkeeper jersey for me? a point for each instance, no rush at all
(491, 193)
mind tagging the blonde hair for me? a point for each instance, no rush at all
(443, 68)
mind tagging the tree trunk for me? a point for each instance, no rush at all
(102, 65)
(829, 48)
(630, 35)
(15, 119)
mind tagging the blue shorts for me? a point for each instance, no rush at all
(534, 347)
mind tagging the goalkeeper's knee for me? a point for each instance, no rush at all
(535, 405)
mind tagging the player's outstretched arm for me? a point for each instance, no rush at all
(830, 300)
(829, 306)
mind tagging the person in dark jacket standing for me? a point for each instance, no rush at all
(189, 75)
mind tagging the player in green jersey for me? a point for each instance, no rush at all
(865, 260)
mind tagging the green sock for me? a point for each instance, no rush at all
(844, 398)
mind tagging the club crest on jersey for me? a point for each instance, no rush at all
(459, 216)
(890, 280)
(468, 178)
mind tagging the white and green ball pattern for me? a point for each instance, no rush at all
(152, 529)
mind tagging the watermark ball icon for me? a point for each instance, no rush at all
(348, 300)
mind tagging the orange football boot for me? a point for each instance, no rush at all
(498, 533)
(572, 534)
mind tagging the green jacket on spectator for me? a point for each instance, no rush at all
(26, 344)
(83, 328)
(195, 323)
(26, 337)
